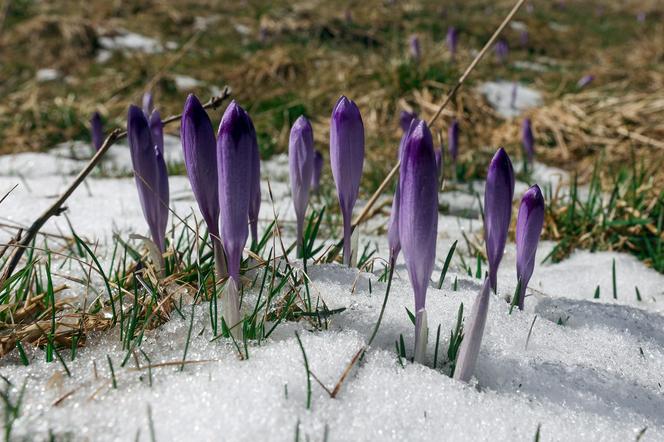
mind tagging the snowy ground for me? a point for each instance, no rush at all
(595, 376)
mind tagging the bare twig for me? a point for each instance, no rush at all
(450, 95)
(56, 207)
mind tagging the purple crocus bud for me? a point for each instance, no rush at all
(255, 196)
(150, 173)
(414, 48)
(515, 88)
(527, 139)
(585, 81)
(498, 195)
(347, 160)
(200, 158)
(453, 140)
(641, 17)
(418, 220)
(473, 332)
(148, 104)
(157, 129)
(405, 118)
(301, 162)
(96, 131)
(529, 223)
(502, 50)
(318, 169)
(523, 38)
(393, 240)
(439, 160)
(235, 155)
(451, 39)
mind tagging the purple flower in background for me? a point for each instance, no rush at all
(301, 162)
(347, 160)
(515, 87)
(523, 38)
(641, 17)
(414, 48)
(529, 224)
(451, 39)
(585, 81)
(498, 194)
(148, 104)
(418, 220)
(393, 240)
(255, 195)
(157, 129)
(405, 118)
(528, 140)
(439, 160)
(473, 332)
(150, 174)
(318, 169)
(96, 130)
(502, 51)
(453, 140)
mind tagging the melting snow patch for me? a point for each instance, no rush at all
(185, 83)
(47, 74)
(510, 99)
(125, 40)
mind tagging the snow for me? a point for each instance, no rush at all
(185, 83)
(598, 376)
(122, 39)
(47, 74)
(500, 93)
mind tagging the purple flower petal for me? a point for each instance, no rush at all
(529, 224)
(453, 140)
(301, 164)
(405, 118)
(200, 158)
(318, 169)
(148, 104)
(255, 196)
(347, 160)
(150, 174)
(157, 129)
(498, 194)
(527, 139)
(418, 211)
(451, 40)
(235, 144)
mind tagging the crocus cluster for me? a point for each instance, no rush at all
(96, 131)
(301, 165)
(529, 224)
(146, 146)
(527, 140)
(347, 161)
(451, 39)
(418, 220)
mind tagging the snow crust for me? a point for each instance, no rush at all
(500, 96)
(591, 369)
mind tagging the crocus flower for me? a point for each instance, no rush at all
(96, 131)
(414, 48)
(405, 118)
(301, 162)
(451, 40)
(502, 50)
(235, 155)
(318, 169)
(150, 173)
(515, 88)
(418, 220)
(255, 196)
(641, 17)
(472, 339)
(157, 129)
(527, 139)
(148, 104)
(585, 81)
(453, 141)
(347, 160)
(529, 223)
(393, 241)
(523, 38)
(498, 195)
(200, 158)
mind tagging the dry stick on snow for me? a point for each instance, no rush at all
(448, 98)
(56, 207)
